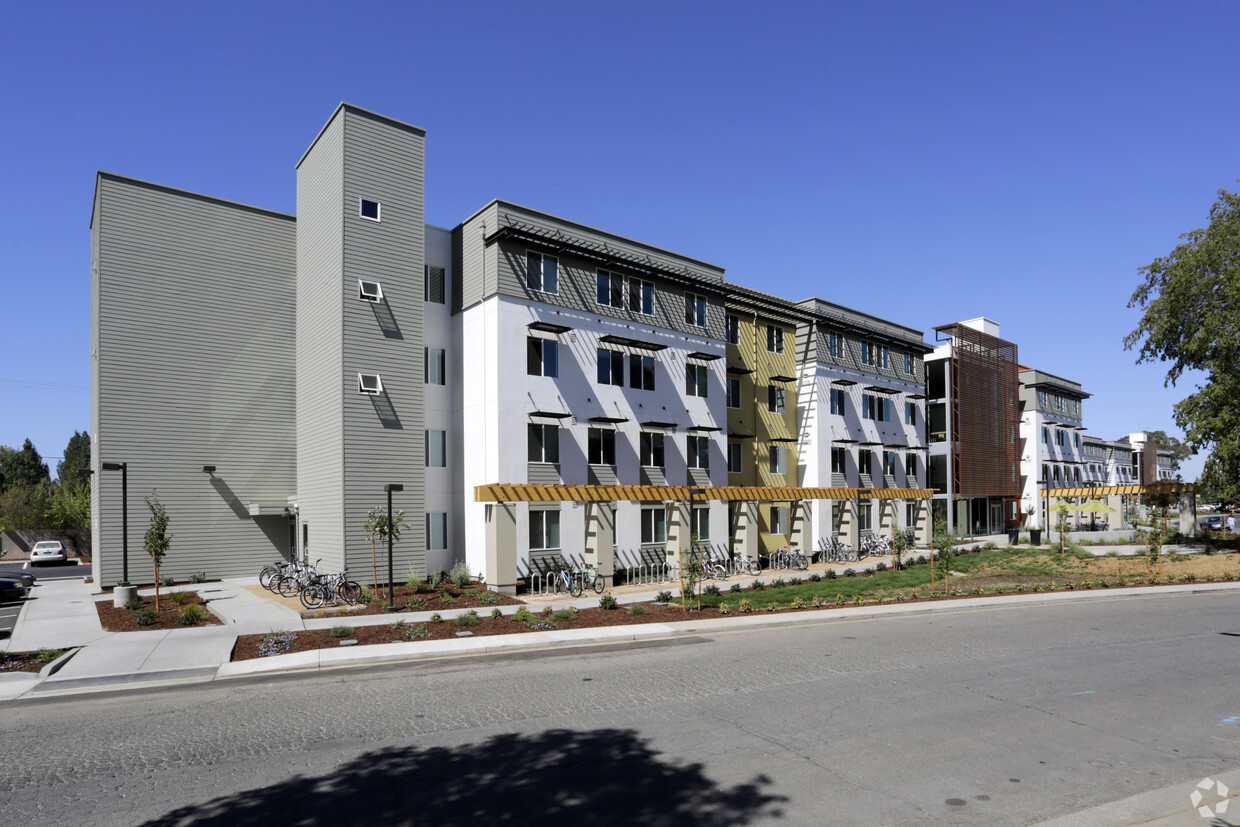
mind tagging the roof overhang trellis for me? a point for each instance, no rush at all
(501, 492)
(1105, 490)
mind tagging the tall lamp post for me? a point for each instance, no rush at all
(389, 488)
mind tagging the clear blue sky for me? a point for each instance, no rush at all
(925, 162)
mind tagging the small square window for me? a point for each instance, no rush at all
(371, 291)
(369, 209)
(369, 384)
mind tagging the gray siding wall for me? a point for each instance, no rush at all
(384, 435)
(470, 253)
(320, 284)
(850, 356)
(192, 364)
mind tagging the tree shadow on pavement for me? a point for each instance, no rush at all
(605, 776)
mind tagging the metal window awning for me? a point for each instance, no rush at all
(608, 420)
(880, 389)
(549, 327)
(703, 357)
(625, 341)
(271, 508)
(845, 441)
(704, 428)
(842, 382)
(654, 423)
(784, 439)
(782, 378)
(739, 436)
(550, 414)
(916, 396)
(739, 371)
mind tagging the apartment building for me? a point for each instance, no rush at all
(973, 418)
(1052, 427)
(862, 421)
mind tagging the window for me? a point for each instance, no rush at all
(698, 448)
(835, 344)
(544, 443)
(735, 464)
(1076, 440)
(641, 372)
(1076, 406)
(699, 522)
(436, 449)
(641, 296)
(778, 460)
(369, 209)
(436, 530)
(734, 392)
(610, 289)
(695, 380)
(869, 355)
(910, 413)
(875, 407)
(865, 516)
(434, 284)
(733, 325)
(889, 463)
(908, 363)
(601, 446)
(544, 529)
(837, 401)
(543, 358)
(654, 524)
(910, 466)
(542, 273)
(774, 338)
(434, 357)
(1046, 436)
(370, 384)
(1041, 399)
(1059, 403)
(695, 310)
(779, 519)
(839, 460)
(886, 358)
(651, 447)
(610, 367)
(775, 397)
(371, 291)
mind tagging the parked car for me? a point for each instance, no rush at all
(48, 551)
(11, 588)
(1214, 523)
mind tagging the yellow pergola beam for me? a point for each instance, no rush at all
(501, 492)
(1105, 490)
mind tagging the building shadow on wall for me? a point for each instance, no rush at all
(385, 410)
(604, 776)
(386, 319)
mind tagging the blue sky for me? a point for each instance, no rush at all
(925, 162)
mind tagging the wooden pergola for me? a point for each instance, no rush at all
(535, 493)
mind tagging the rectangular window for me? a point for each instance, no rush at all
(734, 330)
(641, 372)
(908, 363)
(774, 338)
(434, 357)
(695, 310)
(371, 291)
(695, 380)
(839, 460)
(654, 524)
(1042, 399)
(543, 357)
(779, 460)
(910, 413)
(889, 463)
(698, 449)
(835, 344)
(886, 358)
(865, 516)
(651, 446)
(610, 289)
(734, 392)
(369, 384)
(434, 285)
(875, 407)
(868, 357)
(602, 446)
(779, 519)
(610, 367)
(775, 397)
(369, 208)
(544, 443)
(544, 529)
(641, 296)
(436, 449)
(699, 522)
(837, 401)
(910, 467)
(542, 273)
(735, 464)
(1076, 440)
(436, 531)
(1046, 436)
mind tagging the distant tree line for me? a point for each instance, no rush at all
(30, 498)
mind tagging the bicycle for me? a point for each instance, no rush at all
(335, 588)
(794, 559)
(270, 574)
(594, 579)
(746, 565)
(297, 579)
(571, 584)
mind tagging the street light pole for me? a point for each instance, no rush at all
(391, 588)
(123, 467)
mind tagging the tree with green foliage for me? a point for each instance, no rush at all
(376, 529)
(25, 467)
(943, 543)
(76, 458)
(1191, 304)
(157, 538)
(24, 506)
(68, 509)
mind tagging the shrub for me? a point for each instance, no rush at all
(496, 614)
(445, 597)
(436, 618)
(276, 643)
(663, 597)
(839, 600)
(880, 566)
(459, 576)
(190, 614)
(745, 606)
(794, 581)
(488, 598)
(144, 617)
(198, 577)
(167, 581)
(990, 545)
(778, 583)
(850, 572)
(342, 631)
(725, 608)
(418, 632)
(414, 604)
(829, 574)
(135, 604)
(711, 591)
(547, 610)
(816, 577)
(607, 601)
(735, 588)
(564, 615)
(368, 596)
(797, 603)
(523, 615)
(638, 609)
(470, 618)
(818, 600)
(413, 580)
(179, 598)
(757, 586)
(858, 600)
(542, 626)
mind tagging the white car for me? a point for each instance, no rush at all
(48, 551)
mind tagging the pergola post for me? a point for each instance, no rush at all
(501, 573)
(1188, 513)
(601, 538)
(801, 521)
(745, 532)
(852, 524)
(922, 525)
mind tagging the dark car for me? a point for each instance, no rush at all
(11, 589)
(1214, 523)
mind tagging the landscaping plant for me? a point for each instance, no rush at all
(157, 538)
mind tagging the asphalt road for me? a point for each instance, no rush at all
(973, 717)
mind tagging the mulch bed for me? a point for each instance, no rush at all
(27, 661)
(168, 616)
(427, 600)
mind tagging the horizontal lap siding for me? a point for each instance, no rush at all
(193, 309)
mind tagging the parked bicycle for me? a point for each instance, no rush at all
(332, 588)
(593, 579)
(302, 575)
(570, 582)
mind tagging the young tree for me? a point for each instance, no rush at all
(77, 458)
(376, 529)
(1191, 299)
(157, 537)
